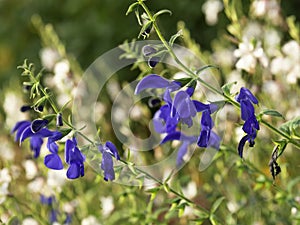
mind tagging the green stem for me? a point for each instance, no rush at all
(279, 132)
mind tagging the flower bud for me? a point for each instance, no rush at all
(59, 120)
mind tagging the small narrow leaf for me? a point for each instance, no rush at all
(132, 7)
(216, 204)
(271, 112)
(174, 37)
(163, 11)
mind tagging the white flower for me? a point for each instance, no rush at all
(30, 169)
(12, 104)
(29, 221)
(190, 191)
(61, 77)
(36, 185)
(289, 63)
(268, 9)
(6, 152)
(107, 205)
(49, 57)
(90, 220)
(56, 178)
(211, 8)
(249, 54)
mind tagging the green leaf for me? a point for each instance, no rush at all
(137, 15)
(294, 29)
(132, 7)
(290, 126)
(213, 220)
(206, 67)
(216, 204)
(132, 169)
(163, 11)
(271, 112)
(226, 88)
(144, 31)
(166, 187)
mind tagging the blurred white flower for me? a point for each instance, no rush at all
(12, 104)
(248, 54)
(36, 185)
(30, 169)
(5, 179)
(272, 40)
(269, 9)
(107, 205)
(61, 79)
(6, 152)
(190, 191)
(49, 57)
(56, 178)
(90, 220)
(211, 9)
(289, 63)
(29, 221)
(253, 30)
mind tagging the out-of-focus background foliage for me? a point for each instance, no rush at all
(90, 28)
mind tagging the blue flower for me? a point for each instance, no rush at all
(75, 159)
(108, 150)
(155, 81)
(251, 125)
(214, 142)
(35, 131)
(53, 161)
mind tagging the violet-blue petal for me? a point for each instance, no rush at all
(206, 119)
(214, 140)
(20, 127)
(204, 137)
(68, 148)
(107, 166)
(190, 91)
(152, 62)
(200, 106)
(38, 124)
(113, 149)
(53, 161)
(247, 109)
(73, 171)
(36, 144)
(151, 81)
(241, 145)
(181, 153)
(172, 136)
(184, 105)
(250, 95)
(148, 50)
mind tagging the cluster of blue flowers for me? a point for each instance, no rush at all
(251, 125)
(180, 110)
(36, 131)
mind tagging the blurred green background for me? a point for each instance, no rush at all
(89, 28)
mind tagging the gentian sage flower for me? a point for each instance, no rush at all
(53, 161)
(108, 150)
(75, 159)
(35, 131)
(251, 125)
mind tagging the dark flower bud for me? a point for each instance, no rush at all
(153, 61)
(26, 87)
(39, 108)
(38, 124)
(154, 102)
(25, 108)
(148, 50)
(59, 120)
(147, 30)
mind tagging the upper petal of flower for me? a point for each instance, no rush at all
(241, 145)
(112, 149)
(38, 124)
(73, 171)
(36, 144)
(151, 81)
